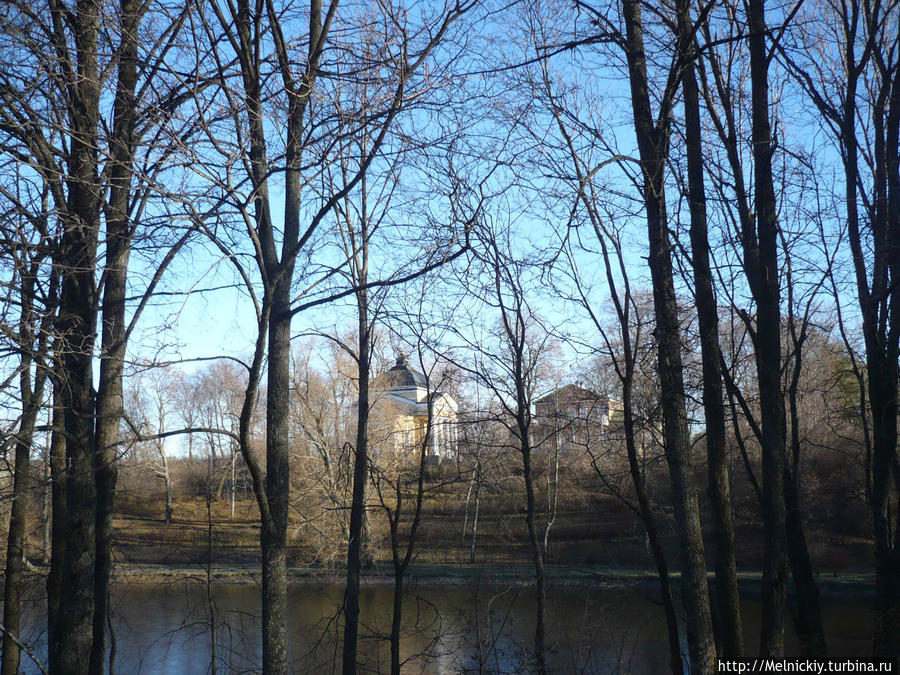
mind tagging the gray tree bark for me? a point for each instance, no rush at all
(765, 286)
(729, 630)
(358, 499)
(653, 140)
(76, 328)
(109, 404)
(31, 335)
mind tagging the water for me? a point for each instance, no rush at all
(165, 629)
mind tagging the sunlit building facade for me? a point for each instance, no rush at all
(575, 417)
(400, 399)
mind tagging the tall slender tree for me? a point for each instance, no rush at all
(284, 92)
(584, 153)
(508, 361)
(35, 307)
(761, 265)
(848, 63)
(59, 122)
(727, 599)
(653, 136)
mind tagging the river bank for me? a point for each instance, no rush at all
(434, 574)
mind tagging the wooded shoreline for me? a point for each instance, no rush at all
(438, 575)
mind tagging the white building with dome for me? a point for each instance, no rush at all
(400, 398)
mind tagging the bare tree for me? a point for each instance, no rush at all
(761, 267)
(285, 93)
(582, 154)
(213, 398)
(149, 402)
(398, 476)
(653, 134)
(32, 312)
(756, 226)
(847, 63)
(810, 628)
(323, 397)
(30, 132)
(365, 219)
(73, 115)
(508, 363)
(729, 632)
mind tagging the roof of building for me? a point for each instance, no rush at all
(400, 376)
(571, 392)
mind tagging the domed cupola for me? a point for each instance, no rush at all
(406, 408)
(401, 376)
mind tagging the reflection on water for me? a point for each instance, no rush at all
(469, 627)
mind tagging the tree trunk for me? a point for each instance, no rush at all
(274, 532)
(729, 631)
(808, 615)
(475, 518)
(395, 623)
(358, 502)
(76, 328)
(16, 539)
(110, 406)
(808, 624)
(46, 505)
(880, 304)
(33, 334)
(75, 618)
(167, 481)
(58, 512)
(884, 456)
(537, 556)
(653, 148)
(883, 397)
(766, 293)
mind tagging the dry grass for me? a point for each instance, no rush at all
(591, 527)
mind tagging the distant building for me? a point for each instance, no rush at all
(576, 416)
(400, 399)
